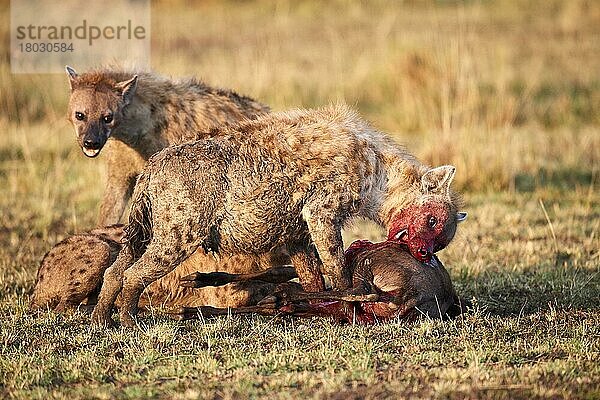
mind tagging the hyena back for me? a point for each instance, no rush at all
(289, 179)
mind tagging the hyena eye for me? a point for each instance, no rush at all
(432, 222)
(79, 116)
(107, 119)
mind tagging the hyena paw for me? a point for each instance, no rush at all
(102, 320)
(128, 320)
(275, 300)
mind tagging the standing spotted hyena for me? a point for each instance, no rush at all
(137, 115)
(289, 179)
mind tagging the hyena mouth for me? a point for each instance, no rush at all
(91, 153)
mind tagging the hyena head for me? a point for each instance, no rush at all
(428, 223)
(96, 107)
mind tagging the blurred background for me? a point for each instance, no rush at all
(507, 91)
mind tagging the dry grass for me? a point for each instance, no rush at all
(509, 92)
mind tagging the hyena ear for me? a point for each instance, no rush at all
(437, 180)
(127, 89)
(72, 75)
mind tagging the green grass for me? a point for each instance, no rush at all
(507, 91)
(547, 353)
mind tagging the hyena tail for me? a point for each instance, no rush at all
(138, 233)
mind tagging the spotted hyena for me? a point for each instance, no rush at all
(292, 178)
(137, 114)
(71, 272)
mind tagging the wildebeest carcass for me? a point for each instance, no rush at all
(388, 283)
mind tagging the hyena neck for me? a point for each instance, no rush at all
(402, 184)
(150, 123)
(165, 112)
(393, 183)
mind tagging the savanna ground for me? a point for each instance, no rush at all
(509, 92)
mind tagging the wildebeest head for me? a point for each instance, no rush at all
(406, 287)
(96, 108)
(428, 223)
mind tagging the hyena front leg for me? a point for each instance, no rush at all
(160, 258)
(117, 194)
(306, 262)
(113, 282)
(123, 165)
(326, 234)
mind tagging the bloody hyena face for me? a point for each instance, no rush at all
(428, 224)
(96, 109)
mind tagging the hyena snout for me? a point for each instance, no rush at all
(421, 249)
(92, 141)
(426, 226)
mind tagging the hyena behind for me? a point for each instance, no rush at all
(137, 115)
(289, 179)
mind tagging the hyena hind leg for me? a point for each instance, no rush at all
(156, 262)
(113, 283)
